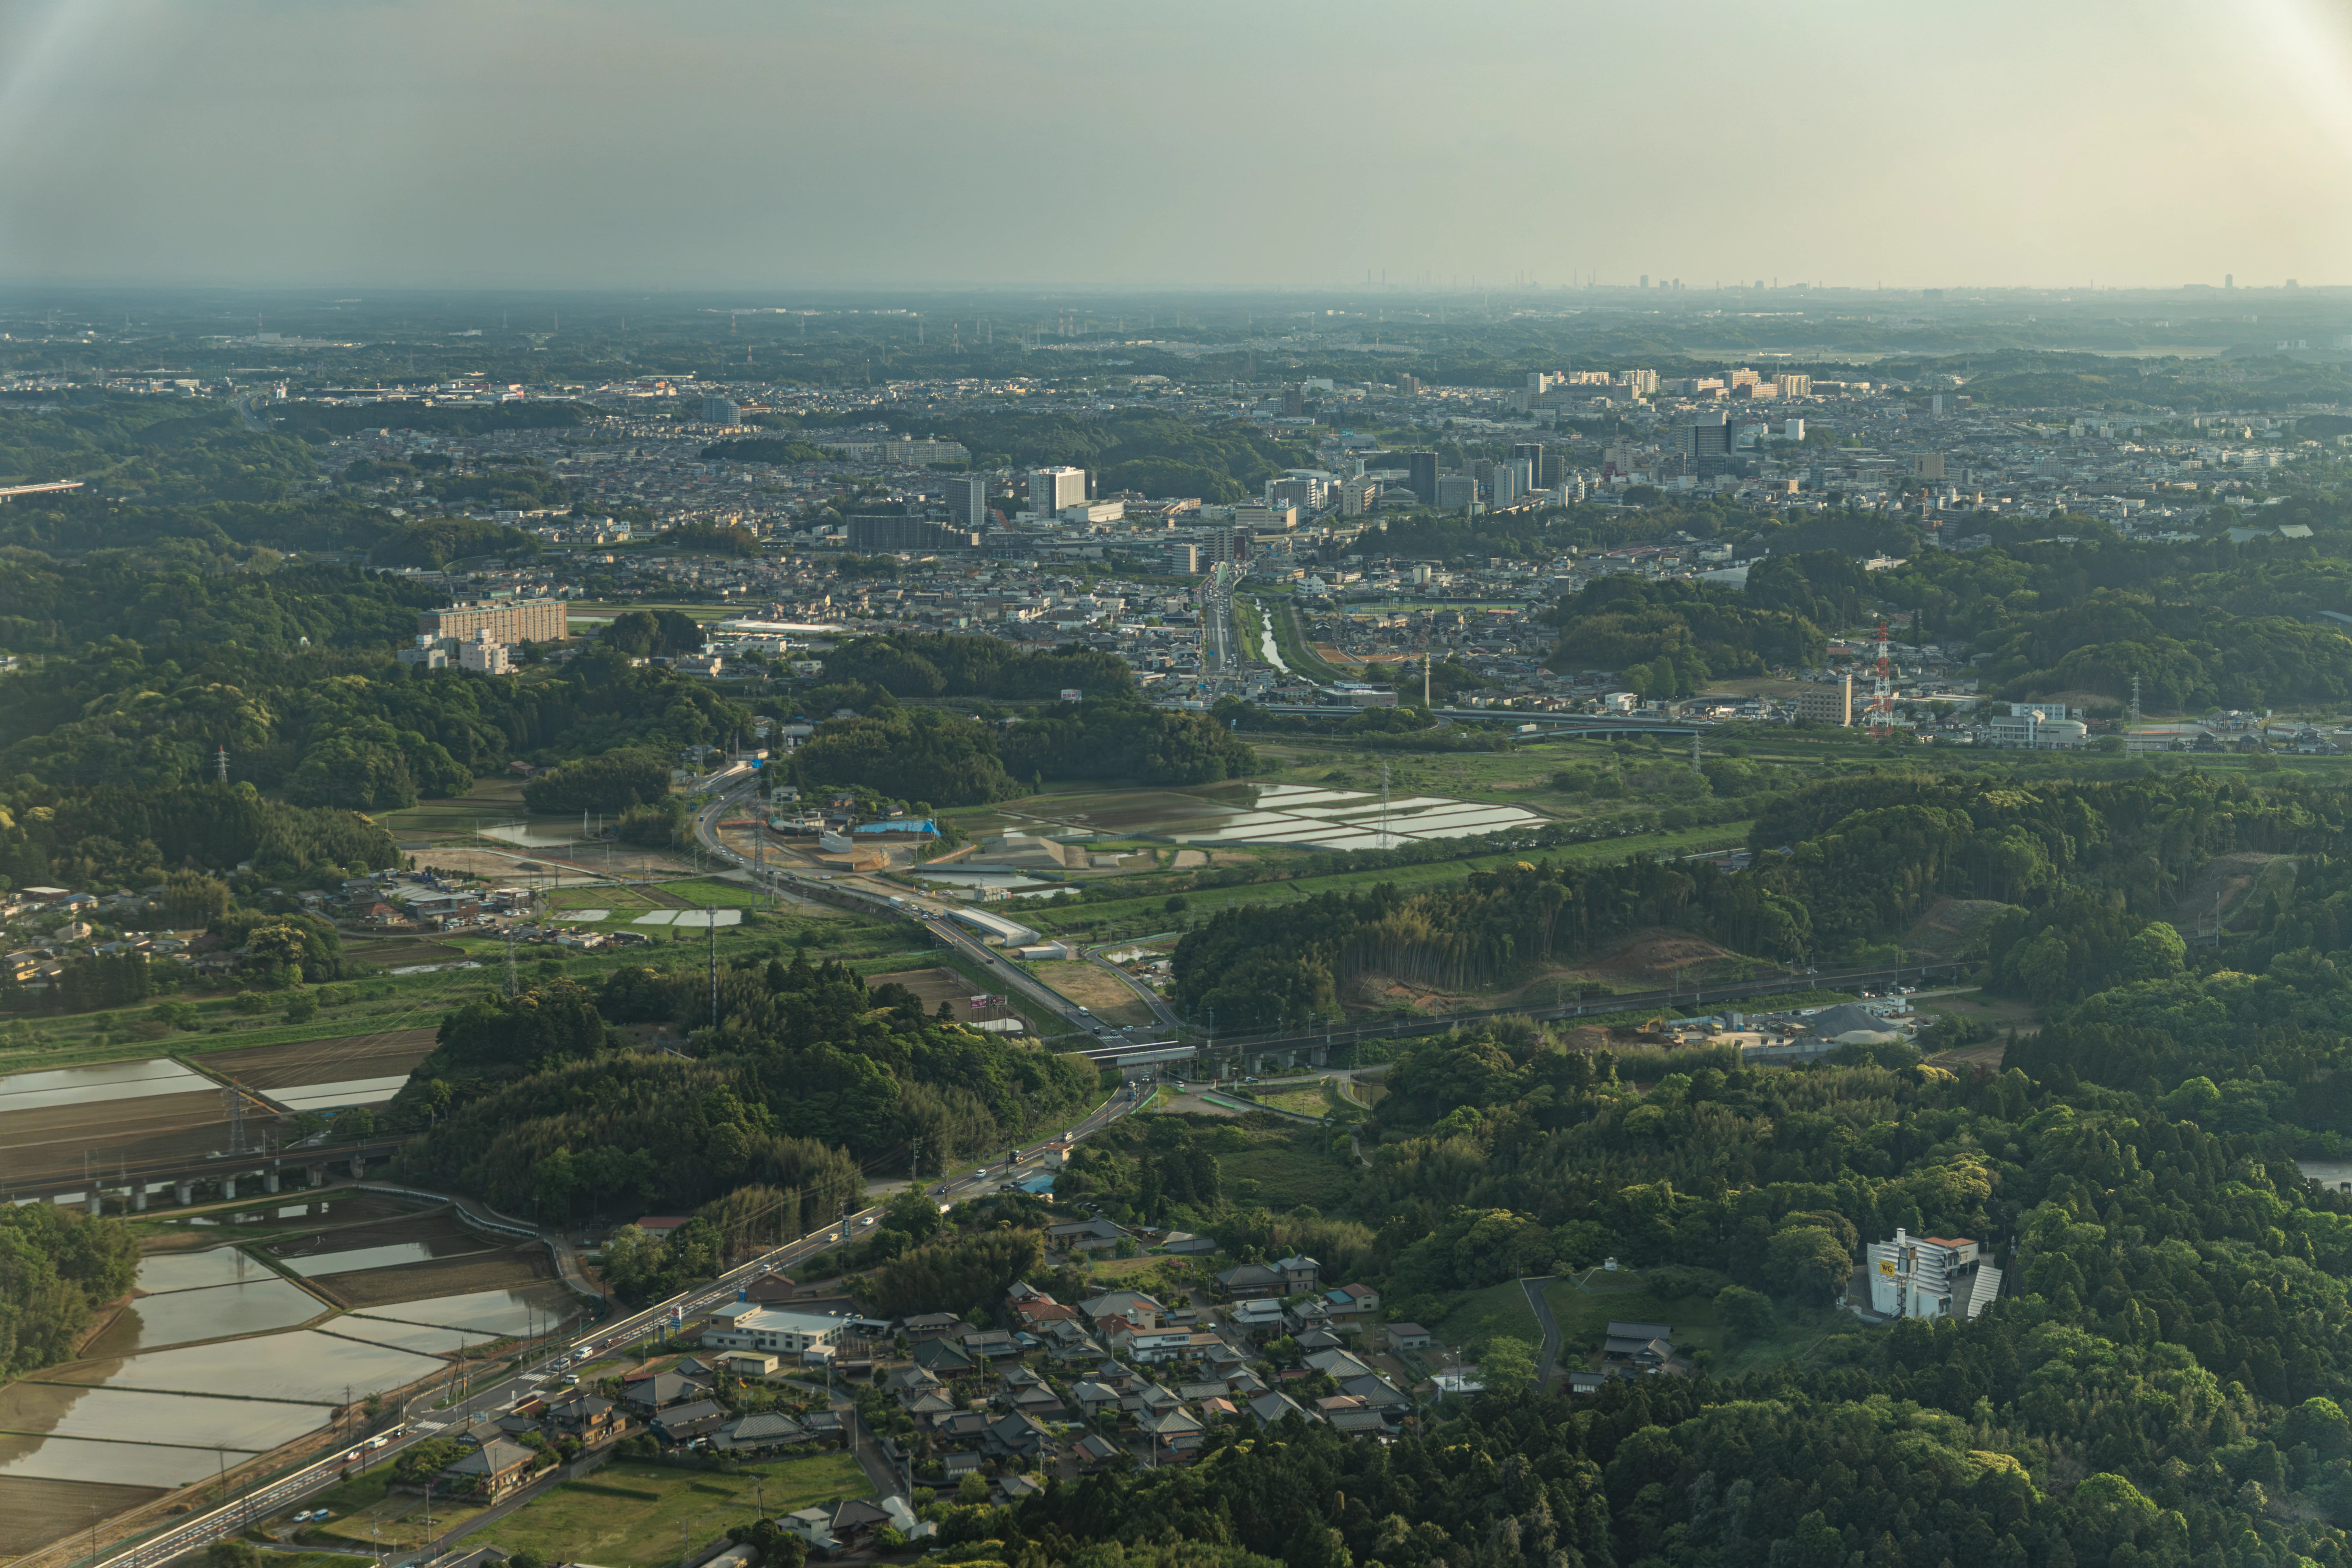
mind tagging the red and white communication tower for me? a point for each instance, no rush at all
(1882, 687)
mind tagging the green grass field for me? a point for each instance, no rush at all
(631, 1515)
(1291, 1168)
(1477, 1316)
(711, 893)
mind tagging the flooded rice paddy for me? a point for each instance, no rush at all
(488, 1313)
(303, 1366)
(335, 1096)
(386, 1255)
(166, 1271)
(419, 1337)
(82, 1086)
(115, 1415)
(184, 1317)
(123, 1464)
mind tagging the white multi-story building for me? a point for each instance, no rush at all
(743, 1327)
(2036, 728)
(483, 656)
(1930, 1277)
(1051, 489)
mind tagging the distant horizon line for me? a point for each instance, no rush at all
(1220, 291)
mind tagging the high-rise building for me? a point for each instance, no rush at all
(1422, 468)
(1051, 489)
(1794, 386)
(1180, 560)
(968, 502)
(1505, 483)
(1532, 454)
(1457, 492)
(720, 411)
(1792, 429)
(1303, 492)
(1293, 403)
(1409, 385)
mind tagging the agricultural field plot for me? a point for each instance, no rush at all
(399, 952)
(709, 892)
(349, 1070)
(189, 1317)
(431, 820)
(934, 986)
(34, 1511)
(627, 1515)
(50, 1143)
(1107, 997)
(387, 1288)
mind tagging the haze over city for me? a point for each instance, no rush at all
(1048, 785)
(441, 142)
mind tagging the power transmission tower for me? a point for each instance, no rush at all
(2135, 716)
(220, 764)
(710, 935)
(1694, 767)
(233, 1102)
(511, 985)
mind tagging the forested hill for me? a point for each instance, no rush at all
(2164, 1378)
(2083, 877)
(537, 1104)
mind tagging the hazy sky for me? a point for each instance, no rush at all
(772, 144)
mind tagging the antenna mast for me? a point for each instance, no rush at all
(1881, 688)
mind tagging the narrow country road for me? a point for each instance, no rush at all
(1548, 1362)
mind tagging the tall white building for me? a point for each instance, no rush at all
(1930, 1277)
(1051, 489)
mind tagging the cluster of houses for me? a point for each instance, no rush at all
(678, 1406)
(41, 962)
(1140, 1376)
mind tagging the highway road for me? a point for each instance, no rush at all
(931, 914)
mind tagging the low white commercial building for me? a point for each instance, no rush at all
(740, 1326)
